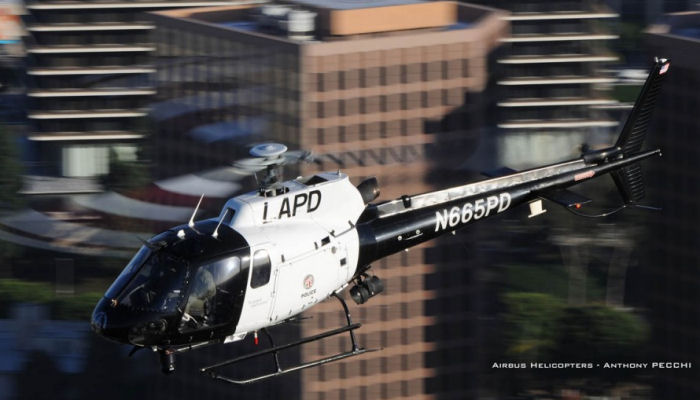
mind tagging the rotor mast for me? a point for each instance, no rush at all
(269, 158)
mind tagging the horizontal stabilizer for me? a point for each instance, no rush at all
(566, 198)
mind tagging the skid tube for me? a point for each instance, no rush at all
(274, 350)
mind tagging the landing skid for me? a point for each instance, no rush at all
(274, 350)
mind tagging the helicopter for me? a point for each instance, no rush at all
(279, 250)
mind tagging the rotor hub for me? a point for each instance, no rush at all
(268, 150)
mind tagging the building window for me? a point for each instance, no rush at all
(85, 160)
(342, 76)
(341, 108)
(319, 82)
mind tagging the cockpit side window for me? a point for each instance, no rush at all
(261, 269)
(212, 293)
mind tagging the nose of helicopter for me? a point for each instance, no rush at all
(99, 322)
(125, 325)
(106, 322)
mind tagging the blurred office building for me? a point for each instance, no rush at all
(553, 94)
(392, 88)
(673, 257)
(11, 64)
(648, 11)
(89, 78)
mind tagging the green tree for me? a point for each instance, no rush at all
(75, 307)
(125, 175)
(542, 327)
(18, 291)
(600, 333)
(531, 319)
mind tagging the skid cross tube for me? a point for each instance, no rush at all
(272, 345)
(347, 317)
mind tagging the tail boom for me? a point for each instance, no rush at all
(382, 236)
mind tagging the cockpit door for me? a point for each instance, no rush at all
(261, 288)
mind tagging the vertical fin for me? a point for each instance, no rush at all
(629, 180)
(635, 129)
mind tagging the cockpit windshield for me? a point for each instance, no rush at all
(127, 272)
(157, 285)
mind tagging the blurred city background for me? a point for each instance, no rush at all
(115, 112)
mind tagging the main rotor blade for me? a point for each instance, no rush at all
(231, 173)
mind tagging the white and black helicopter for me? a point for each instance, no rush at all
(277, 251)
